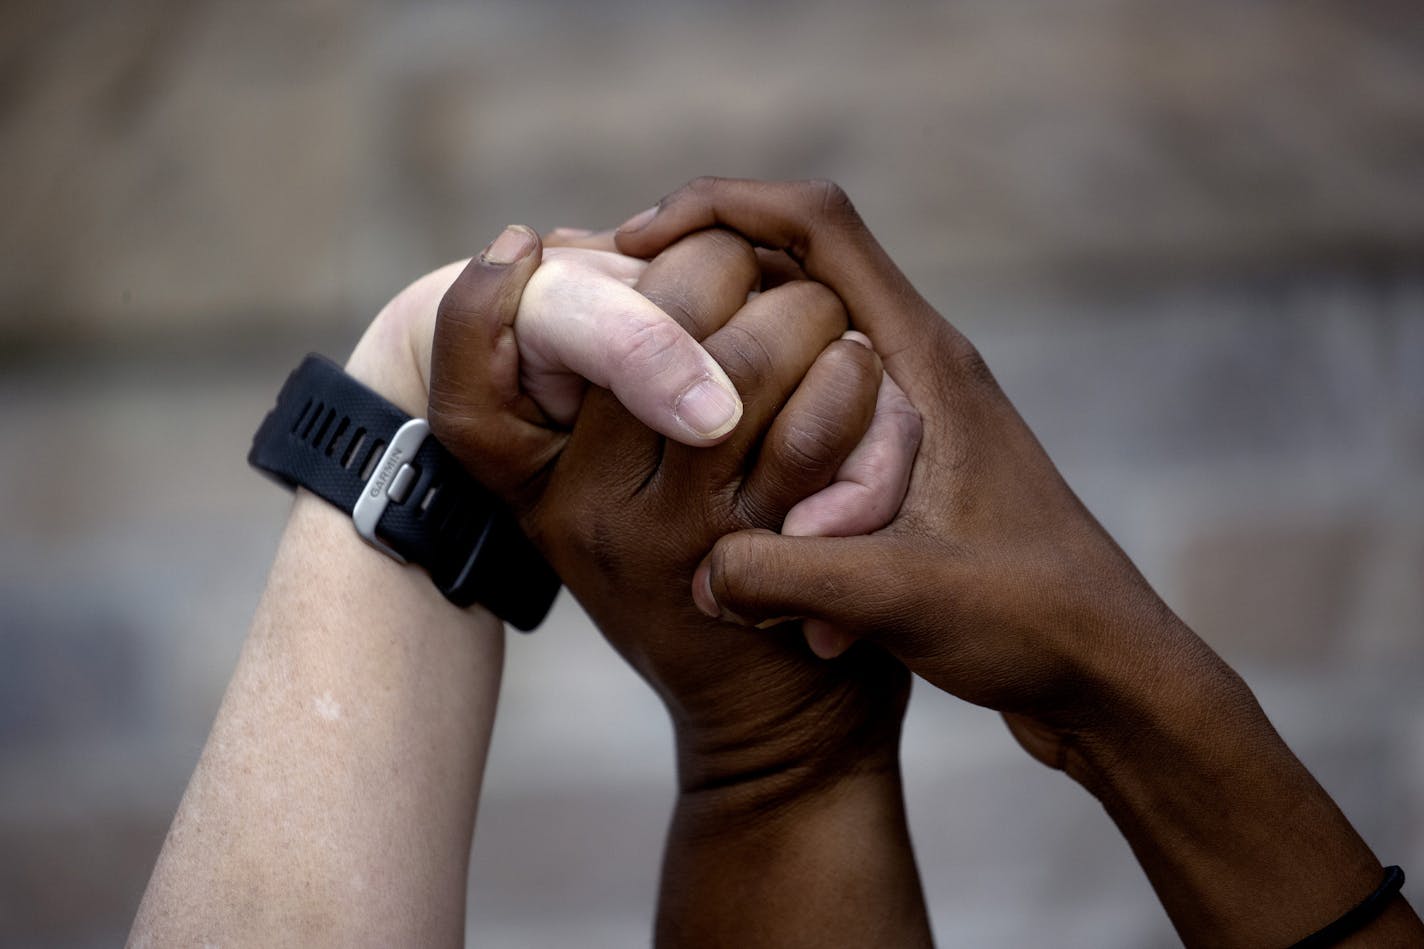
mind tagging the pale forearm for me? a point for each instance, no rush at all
(335, 798)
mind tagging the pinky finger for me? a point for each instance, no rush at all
(866, 495)
(871, 483)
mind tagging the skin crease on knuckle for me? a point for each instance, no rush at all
(809, 443)
(832, 202)
(804, 304)
(812, 445)
(575, 322)
(871, 485)
(844, 401)
(558, 288)
(646, 351)
(742, 354)
(679, 302)
(737, 571)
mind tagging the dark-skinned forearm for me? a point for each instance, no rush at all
(765, 863)
(1241, 843)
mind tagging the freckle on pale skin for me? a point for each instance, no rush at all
(327, 708)
(289, 817)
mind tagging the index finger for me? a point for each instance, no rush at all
(816, 225)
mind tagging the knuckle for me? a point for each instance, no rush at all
(903, 419)
(735, 580)
(730, 247)
(703, 184)
(690, 279)
(843, 383)
(679, 302)
(829, 199)
(811, 446)
(646, 349)
(910, 424)
(742, 354)
(813, 299)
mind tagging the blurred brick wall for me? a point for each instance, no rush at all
(1188, 237)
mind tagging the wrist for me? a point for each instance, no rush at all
(752, 771)
(1237, 837)
(385, 360)
(400, 491)
(328, 534)
(1164, 700)
(393, 355)
(735, 870)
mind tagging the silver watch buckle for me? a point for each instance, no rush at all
(391, 480)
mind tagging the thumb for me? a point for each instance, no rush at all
(476, 407)
(757, 577)
(576, 321)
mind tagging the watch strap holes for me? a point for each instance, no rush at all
(301, 416)
(378, 448)
(349, 458)
(326, 421)
(341, 427)
(310, 421)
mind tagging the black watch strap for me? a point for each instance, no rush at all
(407, 495)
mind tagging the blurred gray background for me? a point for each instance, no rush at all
(1189, 238)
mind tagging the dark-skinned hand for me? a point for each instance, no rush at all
(997, 585)
(625, 515)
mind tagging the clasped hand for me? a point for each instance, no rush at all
(821, 443)
(967, 558)
(780, 483)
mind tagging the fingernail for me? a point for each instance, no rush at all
(857, 337)
(708, 409)
(702, 592)
(825, 640)
(638, 221)
(512, 244)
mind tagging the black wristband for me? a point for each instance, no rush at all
(1358, 917)
(408, 496)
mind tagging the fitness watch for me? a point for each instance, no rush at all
(407, 495)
